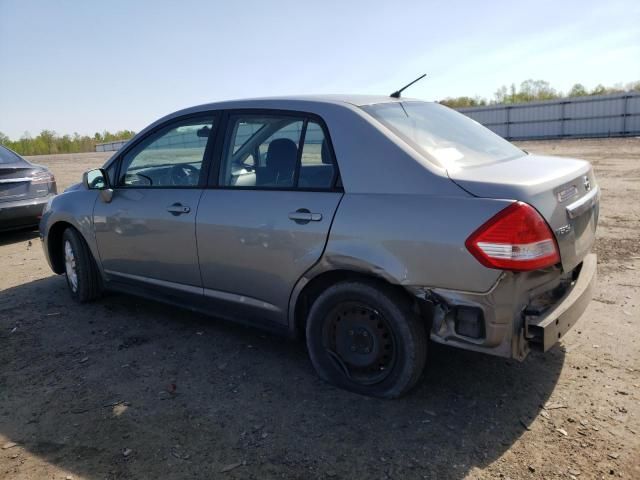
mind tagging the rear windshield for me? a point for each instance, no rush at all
(444, 136)
(7, 156)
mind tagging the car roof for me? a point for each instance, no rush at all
(312, 103)
(356, 100)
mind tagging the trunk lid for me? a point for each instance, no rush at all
(563, 190)
(15, 182)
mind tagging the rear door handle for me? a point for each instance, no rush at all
(178, 209)
(302, 215)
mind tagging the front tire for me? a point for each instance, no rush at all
(81, 271)
(365, 338)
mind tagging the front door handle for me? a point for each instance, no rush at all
(302, 216)
(178, 209)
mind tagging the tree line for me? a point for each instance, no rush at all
(48, 142)
(534, 90)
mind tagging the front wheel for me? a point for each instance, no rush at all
(365, 338)
(83, 277)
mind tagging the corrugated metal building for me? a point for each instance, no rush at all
(110, 146)
(615, 115)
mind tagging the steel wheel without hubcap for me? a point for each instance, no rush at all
(70, 265)
(360, 341)
(364, 336)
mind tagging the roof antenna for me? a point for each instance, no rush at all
(397, 93)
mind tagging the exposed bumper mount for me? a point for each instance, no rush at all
(545, 330)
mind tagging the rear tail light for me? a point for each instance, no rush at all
(516, 238)
(42, 178)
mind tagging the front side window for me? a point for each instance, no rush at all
(444, 136)
(272, 151)
(170, 158)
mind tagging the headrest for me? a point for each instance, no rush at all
(282, 154)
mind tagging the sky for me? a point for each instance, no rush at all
(87, 66)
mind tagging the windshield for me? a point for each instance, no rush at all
(7, 156)
(444, 136)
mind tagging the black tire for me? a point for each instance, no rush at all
(88, 283)
(365, 338)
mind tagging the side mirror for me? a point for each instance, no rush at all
(97, 179)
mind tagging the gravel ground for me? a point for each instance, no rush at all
(126, 388)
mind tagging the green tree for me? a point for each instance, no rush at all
(48, 142)
(533, 90)
(26, 145)
(47, 139)
(461, 102)
(578, 90)
(513, 94)
(599, 90)
(501, 95)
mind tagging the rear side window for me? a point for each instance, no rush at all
(316, 163)
(276, 152)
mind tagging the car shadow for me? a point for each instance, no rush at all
(16, 236)
(127, 388)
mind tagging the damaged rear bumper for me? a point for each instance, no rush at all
(544, 330)
(521, 312)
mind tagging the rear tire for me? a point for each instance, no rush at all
(365, 338)
(81, 271)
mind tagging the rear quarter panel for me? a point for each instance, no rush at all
(411, 240)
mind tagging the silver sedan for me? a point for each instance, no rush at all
(369, 225)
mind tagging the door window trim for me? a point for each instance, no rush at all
(207, 156)
(223, 136)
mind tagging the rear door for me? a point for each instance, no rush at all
(147, 233)
(268, 218)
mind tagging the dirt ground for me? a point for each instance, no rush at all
(126, 388)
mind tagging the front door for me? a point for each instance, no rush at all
(268, 220)
(147, 232)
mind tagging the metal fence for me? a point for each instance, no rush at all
(616, 115)
(110, 146)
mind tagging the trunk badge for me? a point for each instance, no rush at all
(587, 183)
(564, 230)
(567, 193)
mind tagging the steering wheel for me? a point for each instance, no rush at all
(135, 179)
(184, 174)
